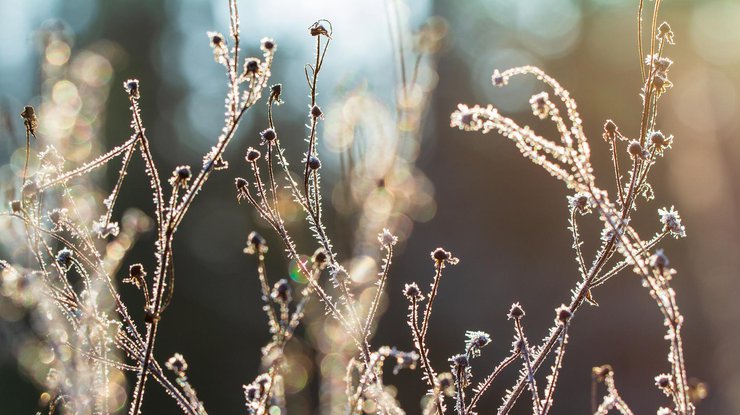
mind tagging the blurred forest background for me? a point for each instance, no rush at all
(502, 217)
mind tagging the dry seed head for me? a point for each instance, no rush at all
(275, 92)
(16, 206)
(611, 131)
(386, 238)
(268, 135)
(563, 314)
(64, 258)
(671, 221)
(540, 105)
(636, 151)
(30, 120)
(319, 258)
(132, 88)
(316, 111)
(251, 392)
(663, 381)
(281, 292)
(252, 155)
(181, 176)
(460, 361)
(252, 65)
(177, 364)
(318, 29)
(255, 244)
(440, 256)
(240, 184)
(665, 33)
(499, 80)
(412, 291)
(267, 44)
(516, 311)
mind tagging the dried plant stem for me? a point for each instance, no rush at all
(420, 344)
(528, 366)
(486, 383)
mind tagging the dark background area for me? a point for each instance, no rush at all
(503, 217)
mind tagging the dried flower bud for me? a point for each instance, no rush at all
(316, 111)
(497, 79)
(240, 184)
(255, 244)
(268, 135)
(181, 176)
(281, 292)
(177, 364)
(665, 33)
(386, 238)
(319, 258)
(540, 105)
(563, 314)
(581, 202)
(132, 88)
(275, 92)
(314, 163)
(252, 65)
(252, 155)
(476, 340)
(217, 39)
(440, 256)
(460, 361)
(30, 120)
(636, 151)
(671, 221)
(516, 311)
(64, 258)
(218, 44)
(267, 44)
(611, 131)
(136, 275)
(16, 206)
(412, 291)
(663, 381)
(251, 392)
(136, 271)
(317, 29)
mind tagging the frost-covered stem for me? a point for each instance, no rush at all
(577, 242)
(556, 370)
(381, 287)
(91, 165)
(624, 263)
(262, 272)
(617, 173)
(432, 295)
(117, 188)
(423, 354)
(28, 156)
(486, 383)
(460, 390)
(528, 365)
